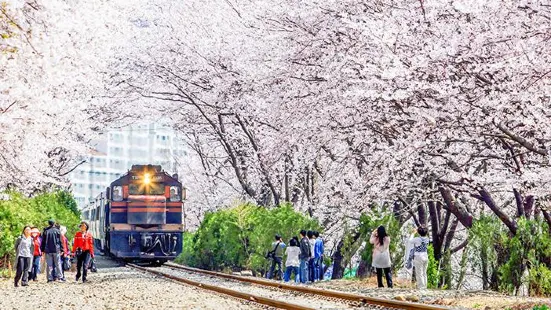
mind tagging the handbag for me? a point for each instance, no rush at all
(93, 267)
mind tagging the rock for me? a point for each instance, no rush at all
(488, 308)
(236, 273)
(400, 298)
(413, 298)
(247, 273)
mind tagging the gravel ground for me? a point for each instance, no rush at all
(452, 298)
(297, 298)
(113, 287)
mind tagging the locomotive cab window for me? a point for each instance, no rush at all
(156, 189)
(117, 193)
(174, 193)
(136, 189)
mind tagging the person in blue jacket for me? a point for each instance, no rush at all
(318, 257)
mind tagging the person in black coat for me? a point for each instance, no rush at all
(304, 256)
(51, 246)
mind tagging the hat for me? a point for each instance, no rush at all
(63, 230)
(51, 222)
(35, 231)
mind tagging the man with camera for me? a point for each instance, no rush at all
(276, 255)
(83, 250)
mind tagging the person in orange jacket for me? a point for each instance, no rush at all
(83, 250)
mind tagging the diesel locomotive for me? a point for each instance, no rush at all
(139, 216)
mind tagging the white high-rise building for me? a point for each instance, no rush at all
(121, 148)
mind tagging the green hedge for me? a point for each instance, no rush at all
(507, 256)
(239, 237)
(19, 211)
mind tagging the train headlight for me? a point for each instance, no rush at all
(146, 179)
(117, 193)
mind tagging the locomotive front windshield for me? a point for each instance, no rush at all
(146, 189)
(146, 184)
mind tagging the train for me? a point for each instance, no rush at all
(139, 217)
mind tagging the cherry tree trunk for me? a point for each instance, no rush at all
(338, 258)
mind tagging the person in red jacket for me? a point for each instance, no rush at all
(83, 250)
(37, 255)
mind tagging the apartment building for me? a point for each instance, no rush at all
(118, 151)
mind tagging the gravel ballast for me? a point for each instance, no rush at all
(297, 298)
(113, 288)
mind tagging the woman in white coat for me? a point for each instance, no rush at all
(418, 256)
(381, 255)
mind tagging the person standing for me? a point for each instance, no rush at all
(83, 250)
(276, 255)
(304, 256)
(65, 250)
(292, 263)
(381, 255)
(312, 241)
(37, 254)
(51, 247)
(419, 256)
(318, 257)
(24, 249)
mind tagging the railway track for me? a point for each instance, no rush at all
(271, 293)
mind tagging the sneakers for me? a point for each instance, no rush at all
(61, 280)
(25, 284)
(16, 285)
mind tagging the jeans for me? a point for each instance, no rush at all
(291, 270)
(23, 264)
(83, 260)
(54, 273)
(275, 261)
(388, 276)
(318, 268)
(53, 262)
(35, 268)
(304, 270)
(311, 270)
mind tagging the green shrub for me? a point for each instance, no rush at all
(239, 237)
(509, 256)
(432, 269)
(19, 211)
(540, 280)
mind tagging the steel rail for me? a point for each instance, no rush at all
(317, 291)
(245, 296)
